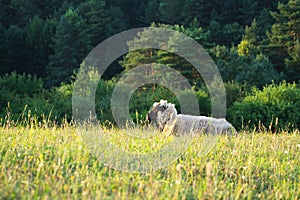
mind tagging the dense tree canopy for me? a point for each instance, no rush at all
(284, 39)
(51, 38)
(255, 45)
(71, 44)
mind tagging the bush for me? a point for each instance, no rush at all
(255, 70)
(235, 92)
(142, 100)
(58, 102)
(103, 100)
(17, 91)
(22, 97)
(258, 72)
(276, 107)
(204, 102)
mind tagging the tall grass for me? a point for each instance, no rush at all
(51, 162)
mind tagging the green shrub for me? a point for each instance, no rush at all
(16, 92)
(103, 100)
(21, 84)
(140, 102)
(275, 107)
(142, 99)
(204, 102)
(58, 102)
(258, 72)
(235, 92)
(22, 97)
(255, 70)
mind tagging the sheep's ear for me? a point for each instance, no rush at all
(155, 104)
(164, 103)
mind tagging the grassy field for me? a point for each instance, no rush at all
(54, 163)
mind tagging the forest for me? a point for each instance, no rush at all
(46, 154)
(255, 45)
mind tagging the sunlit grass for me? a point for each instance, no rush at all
(55, 163)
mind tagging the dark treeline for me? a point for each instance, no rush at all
(50, 38)
(254, 43)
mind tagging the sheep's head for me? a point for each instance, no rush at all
(162, 113)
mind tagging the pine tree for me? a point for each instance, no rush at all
(17, 12)
(228, 11)
(231, 34)
(117, 21)
(38, 37)
(168, 58)
(141, 56)
(248, 10)
(151, 11)
(284, 37)
(132, 11)
(250, 43)
(254, 70)
(16, 53)
(258, 71)
(264, 21)
(197, 9)
(293, 63)
(71, 45)
(46, 8)
(97, 20)
(170, 11)
(3, 51)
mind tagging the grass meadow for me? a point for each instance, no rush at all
(54, 163)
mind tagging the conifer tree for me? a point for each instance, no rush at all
(284, 39)
(168, 58)
(16, 53)
(71, 45)
(201, 10)
(117, 21)
(170, 11)
(248, 10)
(3, 50)
(250, 43)
(95, 14)
(151, 11)
(38, 37)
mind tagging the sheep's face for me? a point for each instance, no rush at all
(161, 113)
(153, 113)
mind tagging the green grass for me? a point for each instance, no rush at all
(54, 163)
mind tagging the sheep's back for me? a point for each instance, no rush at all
(185, 124)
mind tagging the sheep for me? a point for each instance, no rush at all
(164, 116)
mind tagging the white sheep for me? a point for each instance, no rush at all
(165, 116)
